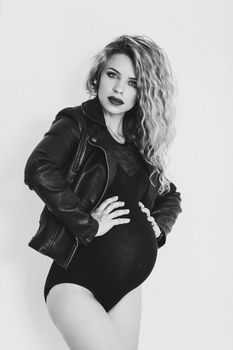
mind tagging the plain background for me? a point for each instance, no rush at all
(46, 49)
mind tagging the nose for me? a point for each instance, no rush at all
(118, 88)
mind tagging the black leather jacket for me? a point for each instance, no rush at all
(51, 169)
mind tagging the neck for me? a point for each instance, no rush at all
(114, 123)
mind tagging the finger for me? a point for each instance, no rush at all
(151, 219)
(157, 233)
(117, 213)
(106, 202)
(113, 206)
(120, 221)
(145, 210)
(156, 229)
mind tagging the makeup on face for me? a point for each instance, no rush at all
(115, 101)
(118, 85)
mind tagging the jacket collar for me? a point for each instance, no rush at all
(93, 110)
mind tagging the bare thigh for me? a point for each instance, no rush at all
(126, 317)
(82, 321)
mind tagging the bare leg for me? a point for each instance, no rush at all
(82, 321)
(126, 317)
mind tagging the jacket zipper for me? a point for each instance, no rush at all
(107, 176)
(106, 163)
(71, 255)
(82, 149)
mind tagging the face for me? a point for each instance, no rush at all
(118, 87)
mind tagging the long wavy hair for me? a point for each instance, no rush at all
(150, 123)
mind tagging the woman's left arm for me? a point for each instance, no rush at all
(164, 213)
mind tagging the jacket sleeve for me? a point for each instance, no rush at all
(165, 211)
(44, 174)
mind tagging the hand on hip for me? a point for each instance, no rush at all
(150, 219)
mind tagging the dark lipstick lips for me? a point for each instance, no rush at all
(115, 100)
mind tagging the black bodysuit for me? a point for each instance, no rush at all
(120, 260)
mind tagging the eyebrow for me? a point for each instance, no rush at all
(120, 73)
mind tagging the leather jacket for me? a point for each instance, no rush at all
(71, 189)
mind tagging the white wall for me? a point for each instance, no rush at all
(46, 48)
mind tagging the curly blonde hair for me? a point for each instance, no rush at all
(150, 123)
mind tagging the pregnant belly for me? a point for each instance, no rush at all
(128, 251)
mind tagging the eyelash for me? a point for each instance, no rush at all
(111, 75)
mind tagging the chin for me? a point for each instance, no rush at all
(108, 107)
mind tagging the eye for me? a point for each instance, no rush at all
(133, 83)
(112, 75)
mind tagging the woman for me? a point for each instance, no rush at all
(111, 200)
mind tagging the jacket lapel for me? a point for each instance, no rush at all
(102, 140)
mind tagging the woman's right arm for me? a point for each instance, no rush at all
(44, 174)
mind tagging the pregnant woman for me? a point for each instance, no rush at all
(109, 206)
